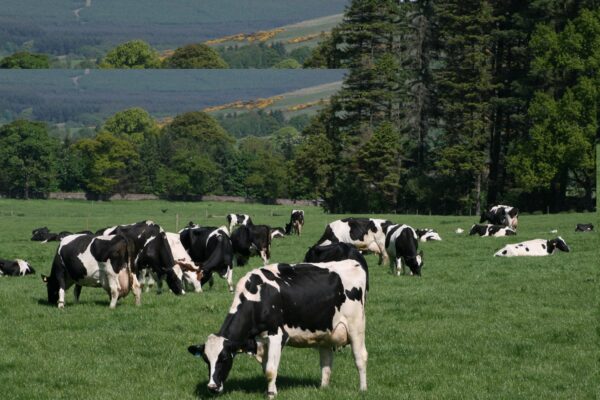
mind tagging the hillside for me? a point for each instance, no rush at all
(86, 27)
(305, 33)
(74, 97)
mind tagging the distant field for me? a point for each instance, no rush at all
(472, 326)
(305, 33)
(70, 95)
(61, 27)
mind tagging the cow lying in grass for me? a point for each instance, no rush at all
(16, 267)
(491, 230)
(535, 247)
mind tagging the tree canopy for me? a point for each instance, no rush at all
(135, 54)
(25, 60)
(196, 55)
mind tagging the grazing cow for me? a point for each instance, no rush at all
(296, 223)
(303, 305)
(238, 219)
(427, 234)
(501, 215)
(16, 267)
(401, 242)
(491, 230)
(96, 261)
(249, 241)
(211, 248)
(159, 257)
(337, 252)
(584, 228)
(277, 233)
(184, 268)
(535, 247)
(366, 234)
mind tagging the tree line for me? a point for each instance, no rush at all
(190, 156)
(450, 105)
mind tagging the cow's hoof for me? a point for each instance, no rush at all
(271, 395)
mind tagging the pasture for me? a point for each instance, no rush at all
(472, 326)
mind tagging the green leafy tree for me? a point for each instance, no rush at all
(135, 54)
(25, 60)
(196, 55)
(558, 152)
(288, 63)
(133, 123)
(108, 161)
(312, 168)
(285, 141)
(27, 159)
(266, 175)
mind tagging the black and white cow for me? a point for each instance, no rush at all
(296, 223)
(584, 228)
(277, 233)
(211, 248)
(185, 268)
(158, 257)
(44, 235)
(427, 234)
(501, 215)
(402, 242)
(491, 230)
(302, 305)
(238, 219)
(96, 261)
(251, 240)
(366, 234)
(336, 252)
(535, 247)
(16, 267)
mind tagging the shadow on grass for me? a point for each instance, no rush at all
(256, 384)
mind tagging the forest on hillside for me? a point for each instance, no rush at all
(447, 106)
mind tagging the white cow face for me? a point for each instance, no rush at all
(217, 352)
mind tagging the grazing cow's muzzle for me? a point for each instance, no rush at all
(214, 388)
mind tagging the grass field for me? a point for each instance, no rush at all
(472, 326)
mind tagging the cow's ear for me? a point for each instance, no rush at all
(196, 350)
(45, 278)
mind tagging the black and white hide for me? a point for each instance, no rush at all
(402, 244)
(491, 230)
(302, 305)
(337, 252)
(427, 234)
(366, 234)
(296, 223)
(277, 233)
(501, 215)
(211, 249)
(535, 247)
(584, 228)
(16, 267)
(44, 235)
(158, 257)
(249, 241)
(152, 255)
(238, 219)
(95, 261)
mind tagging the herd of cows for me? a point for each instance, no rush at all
(317, 303)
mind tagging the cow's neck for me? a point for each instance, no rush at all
(238, 327)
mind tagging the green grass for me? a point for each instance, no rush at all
(473, 326)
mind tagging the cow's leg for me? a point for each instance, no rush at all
(62, 287)
(263, 255)
(399, 268)
(137, 289)
(326, 354)
(275, 344)
(158, 279)
(229, 277)
(359, 350)
(113, 286)
(77, 292)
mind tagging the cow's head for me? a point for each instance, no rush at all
(218, 352)
(415, 263)
(558, 243)
(53, 287)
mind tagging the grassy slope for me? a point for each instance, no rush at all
(473, 326)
